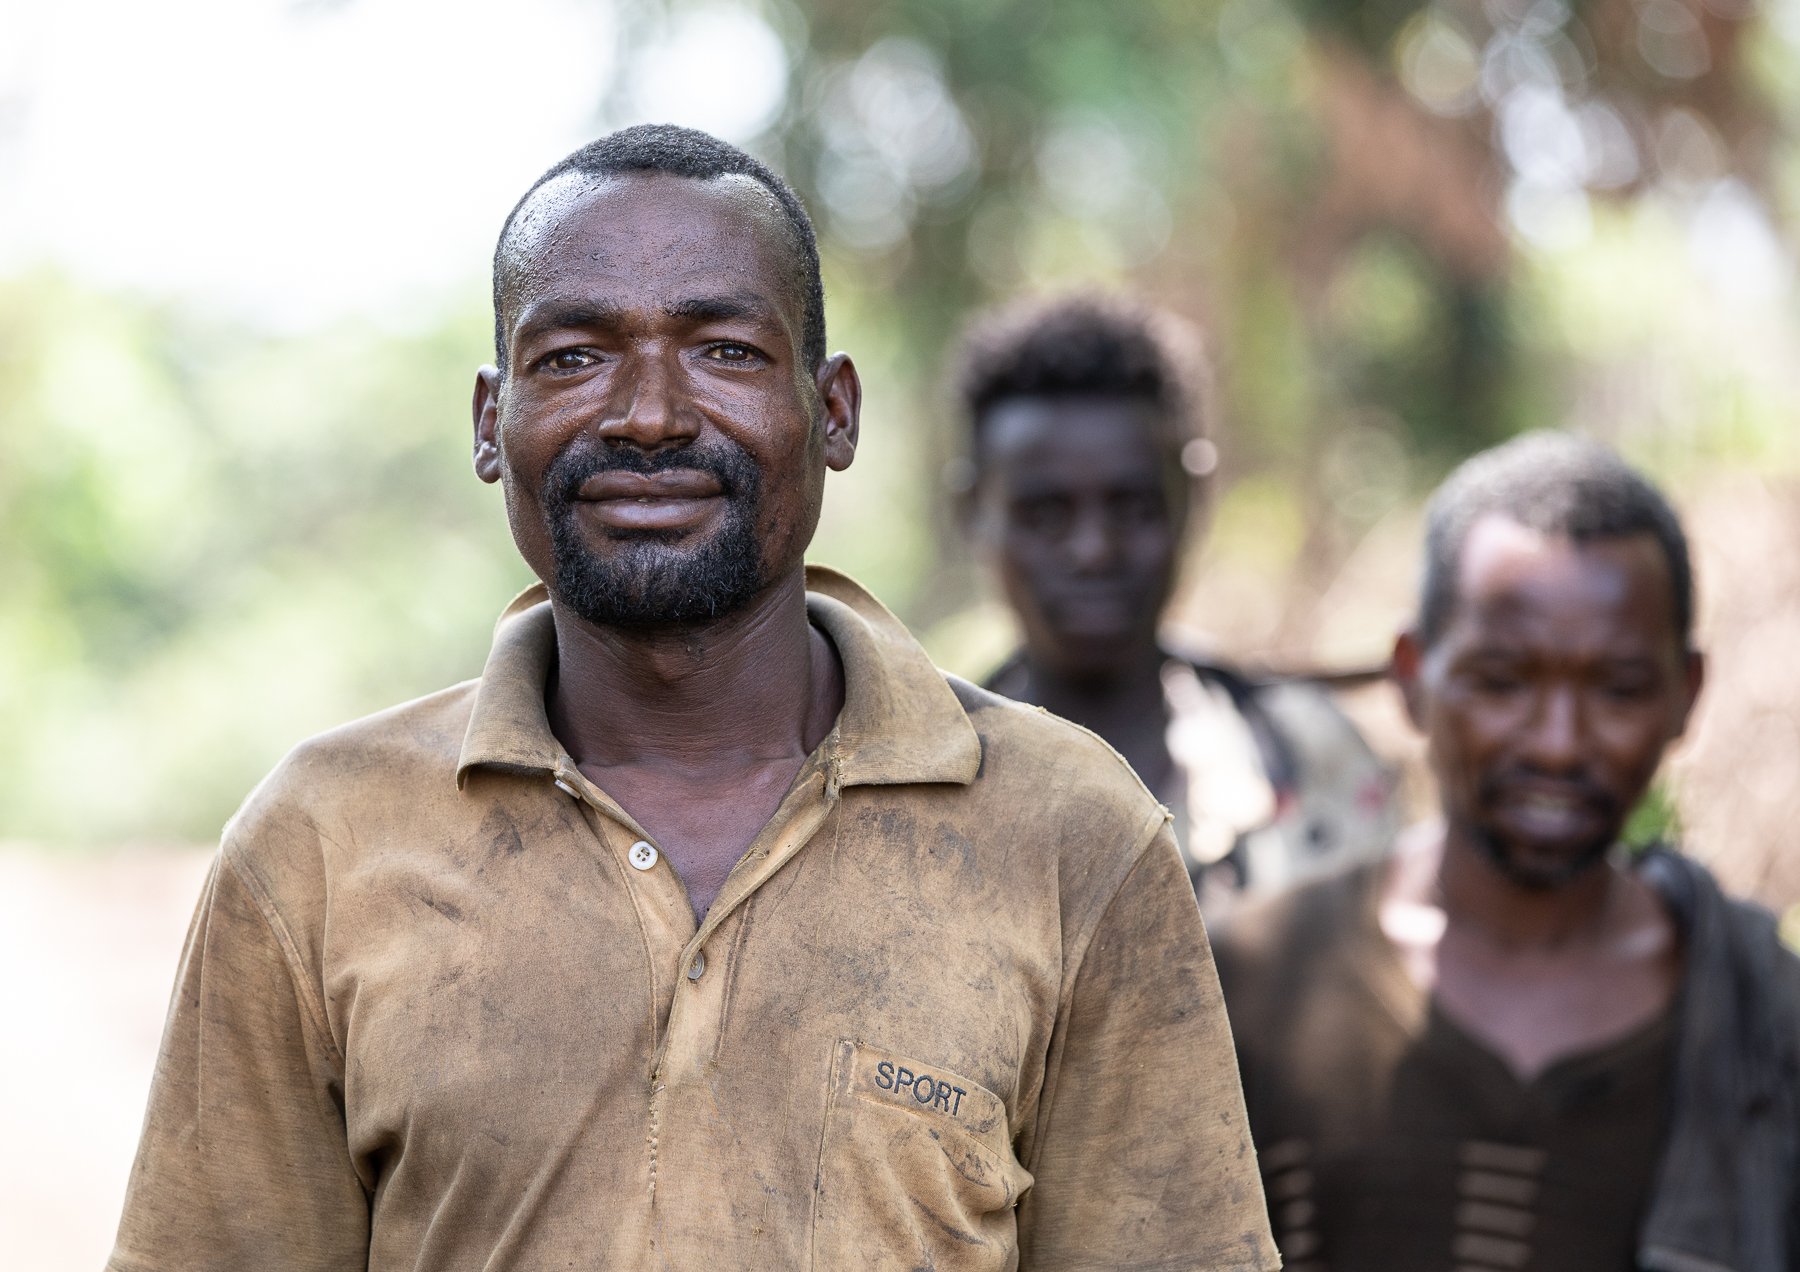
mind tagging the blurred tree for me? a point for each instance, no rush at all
(1334, 188)
(217, 544)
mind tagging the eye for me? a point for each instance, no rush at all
(567, 360)
(1137, 508)
(1631, 688)
(732, 352)
(1495, 679)
(1046, 515)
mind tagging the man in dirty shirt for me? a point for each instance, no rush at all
(712, 926)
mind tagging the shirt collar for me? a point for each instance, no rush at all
(901, 721)
(508, 726)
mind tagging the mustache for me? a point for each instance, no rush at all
(586, 456)
(1493, 787)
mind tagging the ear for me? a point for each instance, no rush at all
(840, 389)
(1405, 667)
(1694, 672)
(486, 409)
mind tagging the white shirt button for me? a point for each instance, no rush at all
(697, 968)
(643, 854)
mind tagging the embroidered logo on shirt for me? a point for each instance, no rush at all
(931, 1091)
(923, 1088)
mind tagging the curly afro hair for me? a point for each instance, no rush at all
(1084, 345)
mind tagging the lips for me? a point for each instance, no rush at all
(673, 483)
(1093, 617)
(672, 499)
(1552, 811)
(1098, 611)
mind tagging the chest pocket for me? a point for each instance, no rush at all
(916, 1169)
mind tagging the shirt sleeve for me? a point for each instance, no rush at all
(244, 1160)
(1140, 1152)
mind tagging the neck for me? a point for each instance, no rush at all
(1107, 705)
(757, 685)
(1477, 897)
(1127, 708)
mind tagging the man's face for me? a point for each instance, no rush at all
(661, 446)
(1082, 512)
(1549, 698)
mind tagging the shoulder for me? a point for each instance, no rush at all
(1760, 976)
(420, 739)
(1704, 908)
(1299, 716)
(1304, 706)
(1030, 754)
(1730, 940)
(1057, 795)
(1327, 746)
(1302, 925)
(315, 795)
(1771, 967)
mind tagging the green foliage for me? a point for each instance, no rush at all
(1655, 820)
(219, 544)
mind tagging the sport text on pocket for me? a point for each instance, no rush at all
(916, 1167)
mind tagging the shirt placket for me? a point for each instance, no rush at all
(691, 971)
(657, 895)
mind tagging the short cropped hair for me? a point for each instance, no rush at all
(1557, 484)
(1083, 345)
(681, 152)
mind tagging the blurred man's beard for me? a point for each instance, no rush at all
(1539, 878)
(651, 578)
(1548, 873)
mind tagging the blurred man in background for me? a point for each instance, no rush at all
(1089, 459)
(1513, 1045)
(712, 927)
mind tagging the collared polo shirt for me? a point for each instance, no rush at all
(444, 1005)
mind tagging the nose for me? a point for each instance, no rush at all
(1092, 545)
(649, 407)
(1556, 740)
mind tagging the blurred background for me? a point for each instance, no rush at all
(243, 290)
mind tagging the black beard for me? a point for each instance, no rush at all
(1540, 879)
(1532, 878)
(649, 580)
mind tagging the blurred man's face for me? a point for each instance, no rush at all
(662, 447)
(1081, 510)
(1550, 696)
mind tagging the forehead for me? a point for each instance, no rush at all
(647, 236)
(1075, 440)
(1520, 583)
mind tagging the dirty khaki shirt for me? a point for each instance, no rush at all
(444, 1006)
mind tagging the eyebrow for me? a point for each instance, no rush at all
(565, 315)
(557, 315)
(1501, 651)
(718, 308)
(1032, 485)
